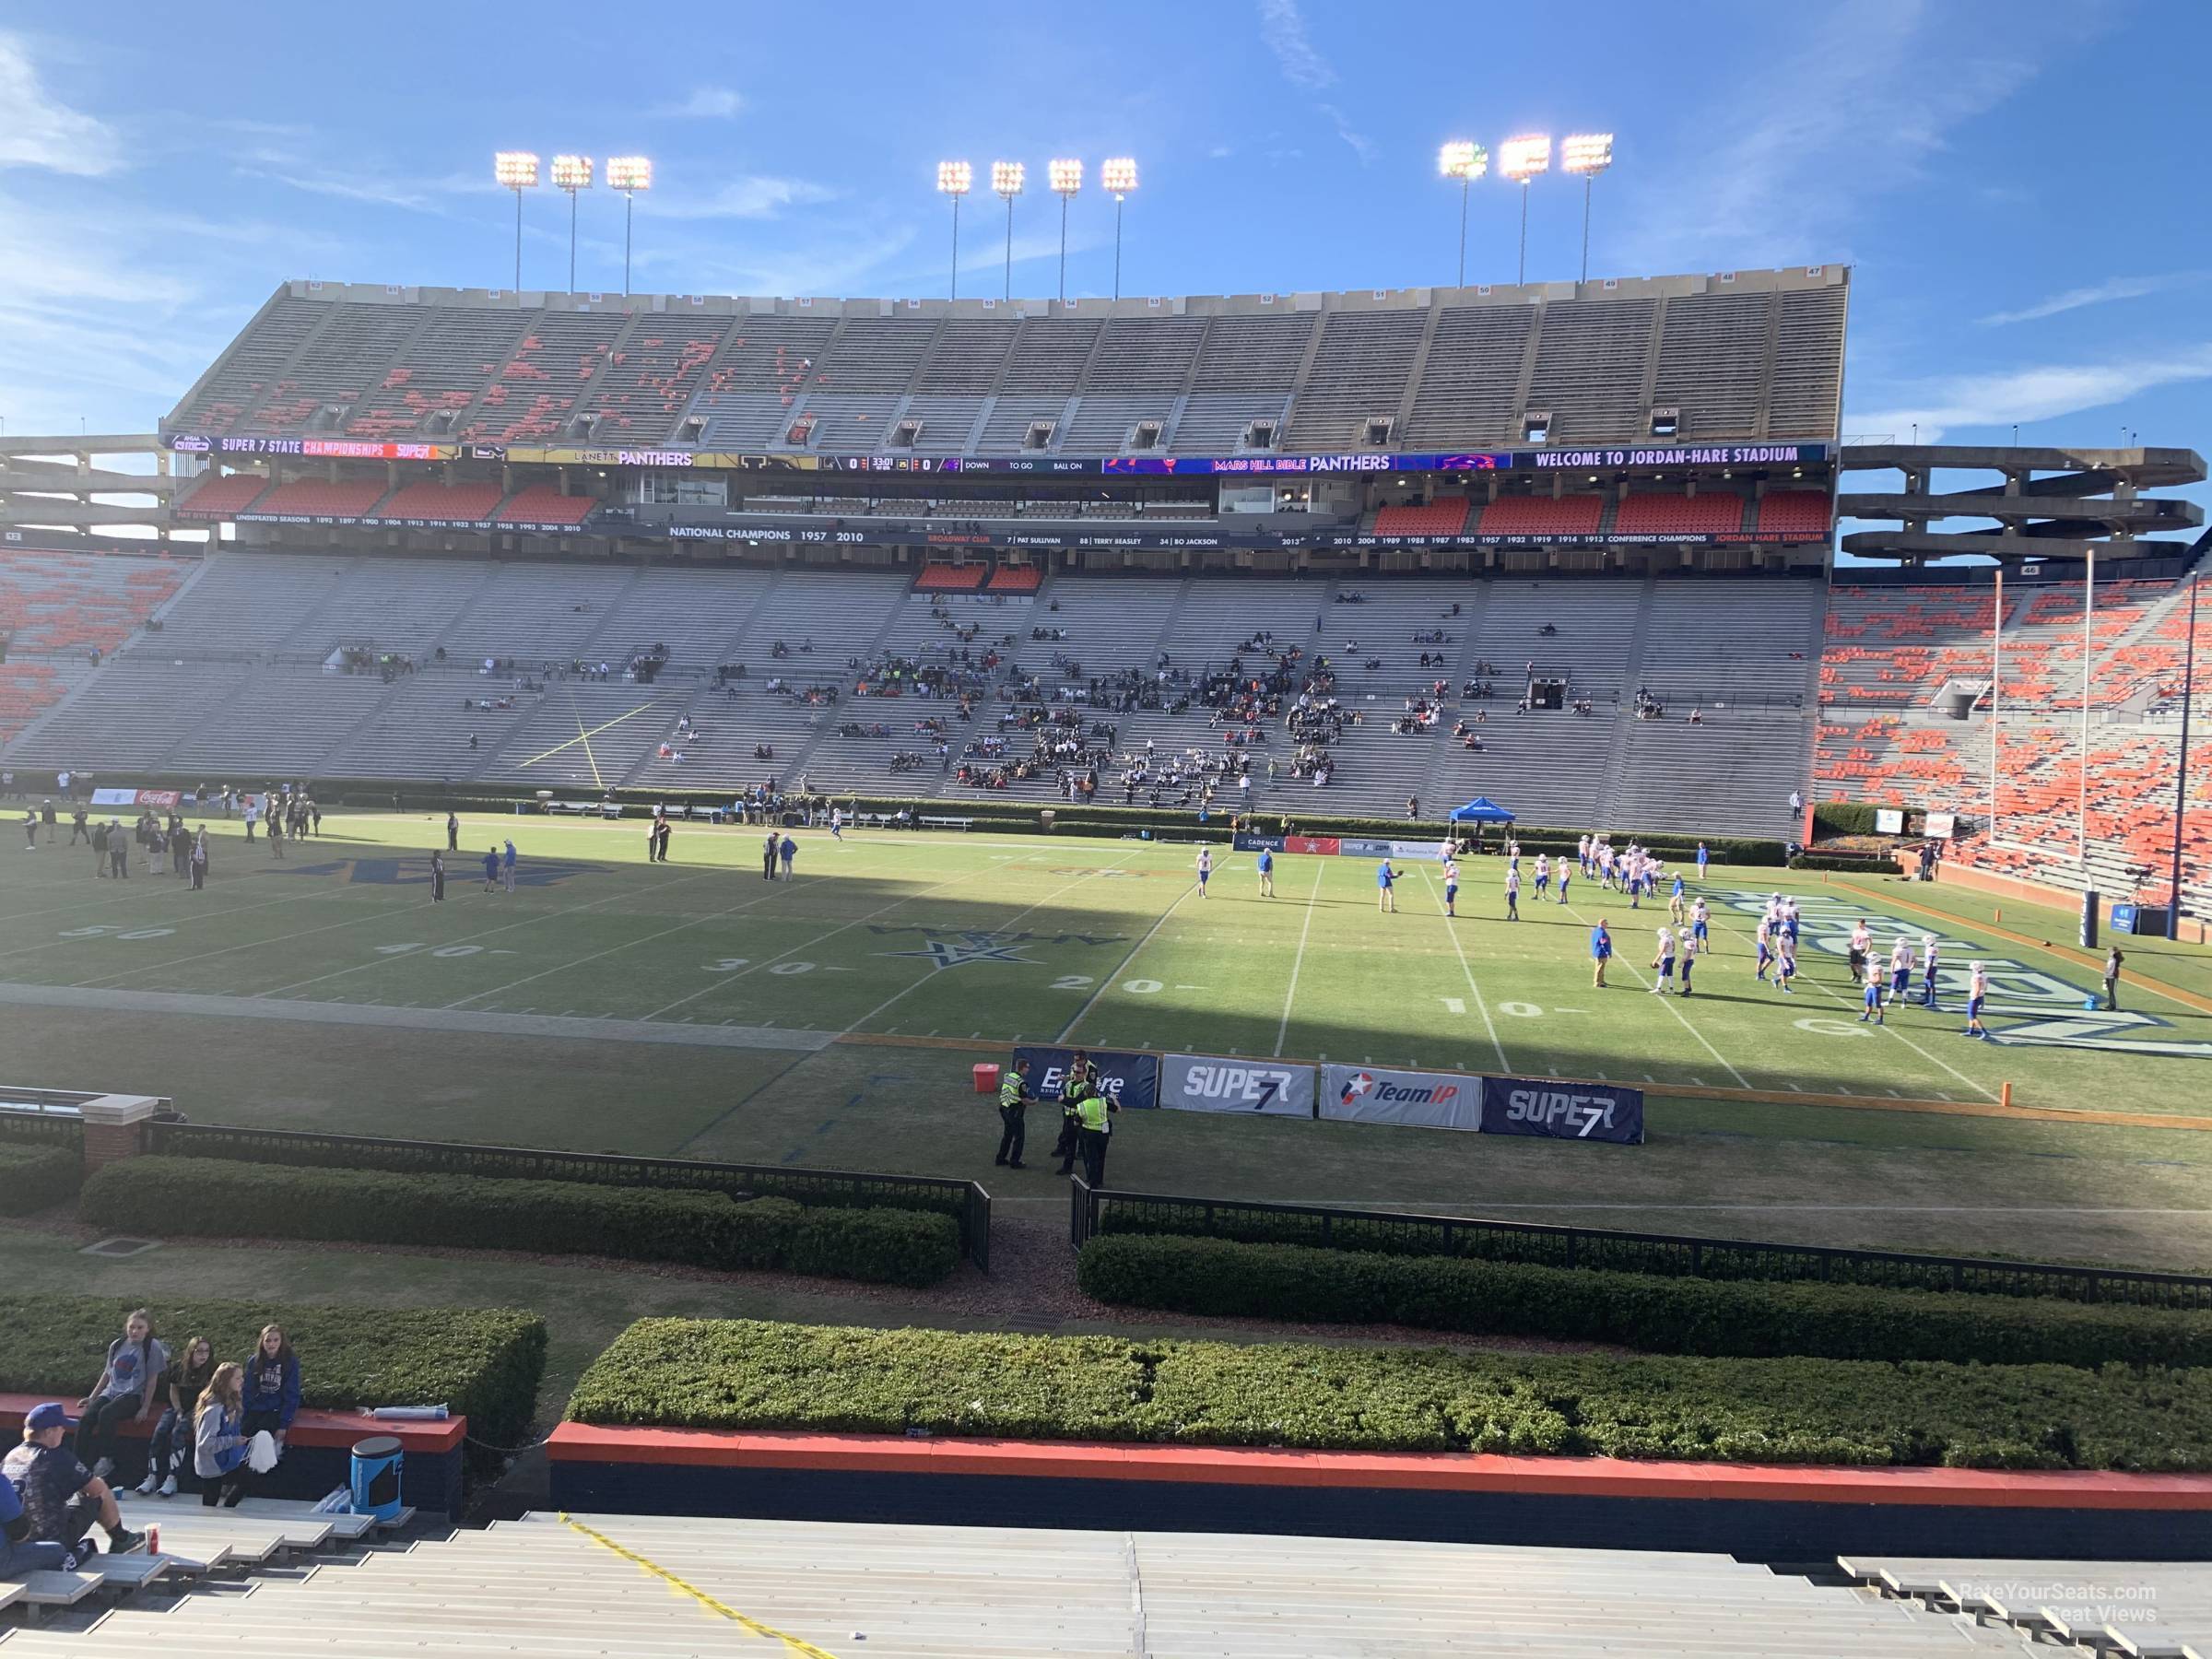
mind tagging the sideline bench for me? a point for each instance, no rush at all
(318, 1456)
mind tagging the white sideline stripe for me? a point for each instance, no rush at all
(481, 934)
(475, 1020)
(1282, 1032)
(641, 939)
(1474, 990)
(1105, 984)
(1669, 1003)
(731, 979)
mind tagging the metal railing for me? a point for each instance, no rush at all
(1670, 1254)
(853, 1189)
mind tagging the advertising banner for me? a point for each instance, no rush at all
(1246, 842)
(1563, 1111)
(1211, 1083)
(1391, 849)
(165, 799)
(1366, 1094)
(1131, 1079)
(1889, 820)
(1325, 846)
(1941, 825)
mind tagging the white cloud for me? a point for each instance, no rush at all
(706, 103)
(1285, 32)
(1361, 144)
(2022, 396)
(753, 196)
(36, 131)
(1873, 96)
(2098, 293)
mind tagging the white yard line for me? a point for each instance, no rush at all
(641, 939)
(932, 975)
(1473, 989)
(1105, 984)
(1283, 1031)
(204, 913)
(1620, 960)
(746, 972)
(1987, 1094)
(464, 938)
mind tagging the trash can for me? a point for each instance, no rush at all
(986, 1079)
(1045, 819)
(377, 1463)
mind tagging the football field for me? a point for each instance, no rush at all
(695, 1008)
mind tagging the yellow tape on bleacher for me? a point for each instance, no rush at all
(796, 1644)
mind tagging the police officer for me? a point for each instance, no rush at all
(1082, 1082)
(1093, 1129)
(1014, 1097)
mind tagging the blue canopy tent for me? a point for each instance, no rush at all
(1481, 810)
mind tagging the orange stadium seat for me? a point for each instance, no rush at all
(1657, 512)
(1540, 515)
(1447, 516)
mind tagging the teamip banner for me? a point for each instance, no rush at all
(1132, 1079)
(1366, 1094)
(1563, 1111)
(1255, 1087)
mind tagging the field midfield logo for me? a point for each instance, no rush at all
(924, 931)
(967, 948)
(416, 872)
(1364, 1085)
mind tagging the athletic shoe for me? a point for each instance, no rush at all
(169, 1488)
(147, 1487)
(122, 1540)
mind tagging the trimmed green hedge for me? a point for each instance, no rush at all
(1843, 817)
(1741, 1318)
(33, 1177)
(815, 1188)
(745, 1375)
(209, 1195)
(1866, 865)
(483, 1362)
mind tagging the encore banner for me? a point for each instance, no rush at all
(1132, 1079)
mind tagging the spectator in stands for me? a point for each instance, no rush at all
(128, 1385)
(220, 1437)
(19, 1552)
(61, 1498)
(270, 1396)
(183, 1383)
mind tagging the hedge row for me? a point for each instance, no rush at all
(1861, 865)
(483, 1362)
(208, 1195)
(743, 1374)
(1720, 1318)
(814, 1188)
(33, 1178)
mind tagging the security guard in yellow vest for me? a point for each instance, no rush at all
(1014, 1097)
(1082, 1081)
(1093, 1130)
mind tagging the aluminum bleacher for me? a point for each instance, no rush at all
(671, 1588)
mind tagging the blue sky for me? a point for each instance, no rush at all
(2020, 184)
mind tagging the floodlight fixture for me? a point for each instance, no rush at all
(1467, 162)
(516, 170)
(1521, 159)
(1118, 175)
(1066, 177)
(572, 173)
(1588, 154)
(628, 174)
(954, 180)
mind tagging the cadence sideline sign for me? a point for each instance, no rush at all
(1369, 1094)
(1256, 1087)
(1563, 1111)
(1133, 1080)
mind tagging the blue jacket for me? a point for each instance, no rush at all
(1601, 943)
(269, 1389)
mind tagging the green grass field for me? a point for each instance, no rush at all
(693, 1009)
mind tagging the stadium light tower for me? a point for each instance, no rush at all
(628, 174)
(516, 170)
(1118, 175)
(1067, 179)
(1467, 162)
(1521, 159)
(572, 173)
(953, 179)
(1007, 179)
(1588, 154)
